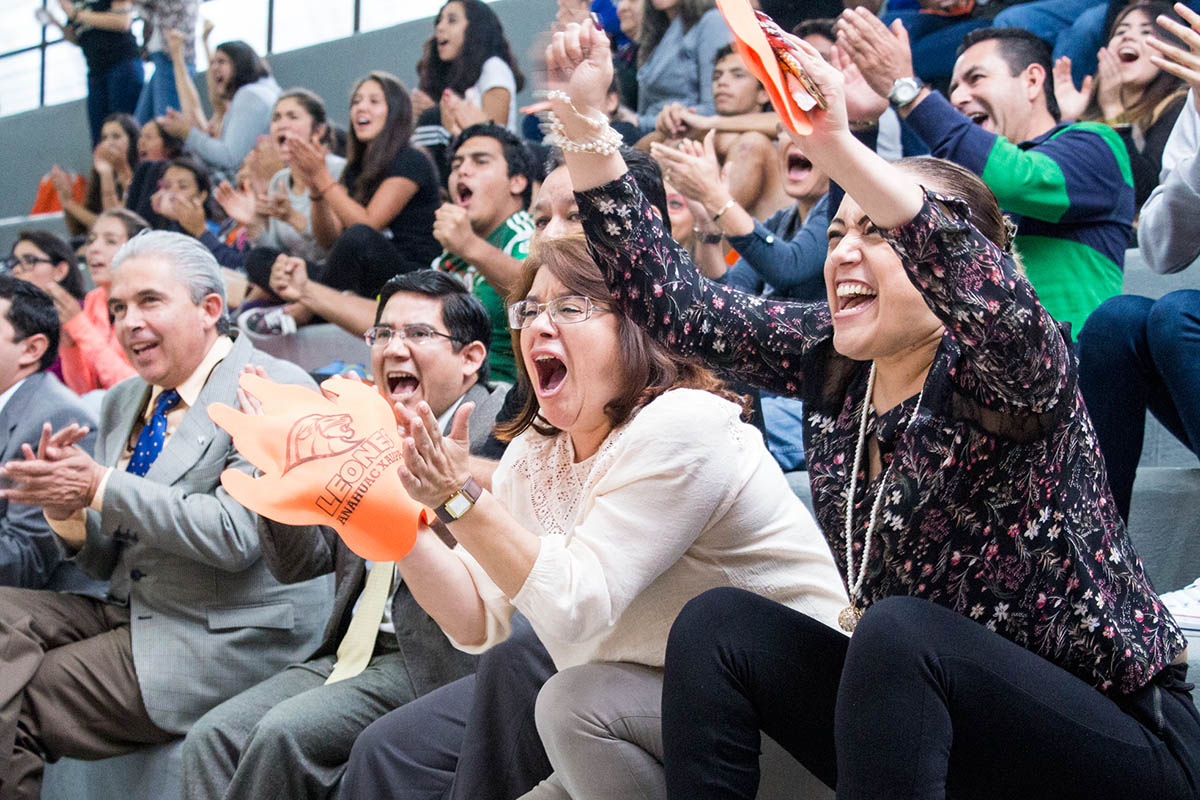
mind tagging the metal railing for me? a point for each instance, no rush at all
(50, 38)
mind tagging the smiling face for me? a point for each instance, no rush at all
(150, 144)
(984, 88)
(555, 212)
(368, 110)
(629, 15)
(165, 334)
(479, 182)
(35, 266)
(735, 90)
(1128, 44)
(432, 371)
(450, 31)
(570, 366)
(181, 182)
(801, 180)
(104, 240)
(220, 71)
(877, 312)
(292, 120)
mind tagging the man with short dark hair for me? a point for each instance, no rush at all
(30, 554)
(291, 734)
(485, 228)
(1068, 187)
(192, 616)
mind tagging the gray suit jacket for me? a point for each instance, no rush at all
(208, 620)
(297, 553)
(31, 555)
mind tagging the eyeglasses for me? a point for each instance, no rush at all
(565, 310)
(415, 335)
(27, 261)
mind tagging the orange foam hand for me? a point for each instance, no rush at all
(759, 57)
(329, 460)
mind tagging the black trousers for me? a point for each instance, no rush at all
(474, 739)
(921, 703)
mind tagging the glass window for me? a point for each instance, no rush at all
(66, 73)
(376, 14)
(234, 19)
(20, 77)
(306, 22)
(18, 28)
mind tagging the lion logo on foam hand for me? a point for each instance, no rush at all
(319, 436)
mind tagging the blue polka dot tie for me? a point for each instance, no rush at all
(150, 440)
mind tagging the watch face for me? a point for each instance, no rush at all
(458, 505)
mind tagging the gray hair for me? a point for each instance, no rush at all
(193, 263)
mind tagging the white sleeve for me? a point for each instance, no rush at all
(1168, 230)
(496, 74)
(677, 470)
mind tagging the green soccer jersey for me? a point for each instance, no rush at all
(511, 238)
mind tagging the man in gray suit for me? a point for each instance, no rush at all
(30, 553)
(193, 615)
(290, 735)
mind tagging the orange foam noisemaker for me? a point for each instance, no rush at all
(763, 61)
(326, 460)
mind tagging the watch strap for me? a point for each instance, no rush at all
(470, 489)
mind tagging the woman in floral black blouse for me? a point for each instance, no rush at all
(1006, 640)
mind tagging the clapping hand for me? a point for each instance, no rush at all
(1108, 85)
(882, 55)
(1072, 102)
(435, 466)
(187, 211)
(238, 203)
(863, 103)
(61, 182)
(692, 168)
(307, 160)
(60, 477)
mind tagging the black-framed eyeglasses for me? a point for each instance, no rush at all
(565, 310)
(416, 335)
(27, 261)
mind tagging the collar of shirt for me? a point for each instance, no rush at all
(448, 414)
(10, 391)
(189, 390)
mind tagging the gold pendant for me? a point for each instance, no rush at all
(849, 618)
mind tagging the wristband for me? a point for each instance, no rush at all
(320, 193)
(728, 205)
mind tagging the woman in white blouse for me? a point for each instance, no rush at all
(631, 485)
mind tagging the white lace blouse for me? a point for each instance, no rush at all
(682, 498)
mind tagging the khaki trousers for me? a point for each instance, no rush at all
(67, 686)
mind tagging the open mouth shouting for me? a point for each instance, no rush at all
(1128, 54)
(401, 385)
(549, 374)
(853, 298)
(463, 194)
(798, 167)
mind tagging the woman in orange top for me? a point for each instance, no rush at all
(91, 356)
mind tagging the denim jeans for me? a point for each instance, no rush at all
(934, 40)
(112, 91)
(1137, 354)
(160, 92)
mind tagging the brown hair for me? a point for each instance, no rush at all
(1164, 88)
(649, 368)
(950, 179)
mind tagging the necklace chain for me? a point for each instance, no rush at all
(849, 618)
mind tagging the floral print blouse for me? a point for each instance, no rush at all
(997, 506)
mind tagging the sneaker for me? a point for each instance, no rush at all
(267, 322)
(1184, 605)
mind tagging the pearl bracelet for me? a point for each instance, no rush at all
(606, 144)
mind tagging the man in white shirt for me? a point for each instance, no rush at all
(193, 616)
(30, 555)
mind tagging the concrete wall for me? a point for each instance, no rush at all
(31, 142)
